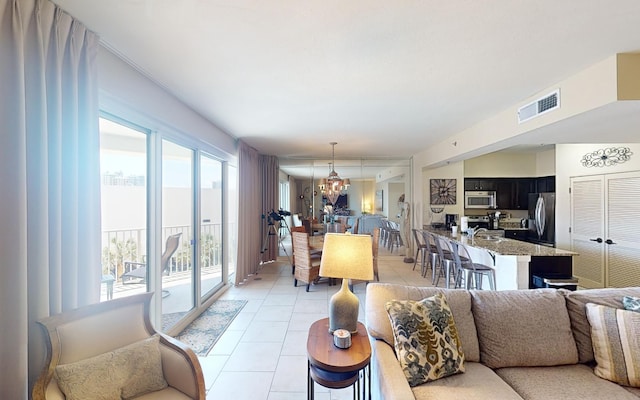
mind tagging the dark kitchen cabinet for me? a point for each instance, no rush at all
(504, 193)
(517, 234)
(479, 184)
(523, 186)
(513, 193)
(545, 184)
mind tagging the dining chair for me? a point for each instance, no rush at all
(375, 246)
(307, 266)
(293, 255)
(335, 227)
(394, 237)
(355, 226)
(471, 273)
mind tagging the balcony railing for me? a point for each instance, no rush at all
(123, 250)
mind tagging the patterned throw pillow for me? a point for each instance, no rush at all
(616, 343)
(426, 339)
(631, 303)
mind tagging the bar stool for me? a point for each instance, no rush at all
(446, 260)
(470, 271)
(433, 256)
(421, 248)
(394, 238)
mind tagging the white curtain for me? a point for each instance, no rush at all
(50, 180)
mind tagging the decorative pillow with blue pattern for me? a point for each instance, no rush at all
(426, 339)
(631, 303)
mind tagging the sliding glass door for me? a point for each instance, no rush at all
(164, 212)
(210, 243)
(178, 253)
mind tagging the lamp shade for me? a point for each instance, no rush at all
(347, 256)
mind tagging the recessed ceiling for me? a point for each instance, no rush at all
(384, 79)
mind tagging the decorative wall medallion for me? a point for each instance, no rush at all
(443, 191)
(606, 157)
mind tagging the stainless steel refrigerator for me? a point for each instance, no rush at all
(542, 219)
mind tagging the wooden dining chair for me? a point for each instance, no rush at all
(293, 253)
(375, 245)
(307, 267)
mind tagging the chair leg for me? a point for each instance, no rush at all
(308, 284)
(295, 283)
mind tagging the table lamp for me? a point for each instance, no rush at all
(346, 256)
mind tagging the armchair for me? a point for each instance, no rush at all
(82, 336)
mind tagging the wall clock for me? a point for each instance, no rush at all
(443, 191)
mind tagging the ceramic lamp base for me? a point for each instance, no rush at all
(343, 310)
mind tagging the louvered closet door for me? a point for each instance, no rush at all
(623, 230)
(587, 230)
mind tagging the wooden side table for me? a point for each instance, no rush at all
(337, 368)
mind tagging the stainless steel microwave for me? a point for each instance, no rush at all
(480, 199)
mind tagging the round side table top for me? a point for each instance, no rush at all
(324, 354)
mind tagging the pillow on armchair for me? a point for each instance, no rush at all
(124, 373)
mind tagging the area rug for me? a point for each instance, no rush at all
(203, 333)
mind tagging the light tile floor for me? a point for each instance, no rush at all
(262, 355)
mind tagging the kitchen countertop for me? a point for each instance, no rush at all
(500, 245)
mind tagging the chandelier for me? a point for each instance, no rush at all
(333, 186)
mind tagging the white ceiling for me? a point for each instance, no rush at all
(383, 79)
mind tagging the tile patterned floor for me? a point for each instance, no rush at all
(262, 355)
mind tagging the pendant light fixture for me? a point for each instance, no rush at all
(333, 186)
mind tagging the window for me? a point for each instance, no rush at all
(164, 182)
(123, 171)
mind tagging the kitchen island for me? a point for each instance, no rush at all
(516, 263)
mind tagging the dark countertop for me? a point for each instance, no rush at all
(502, 246)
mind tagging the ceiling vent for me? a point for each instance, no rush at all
(543, 105)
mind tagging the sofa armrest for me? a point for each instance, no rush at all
(181, 368)
(387, 379)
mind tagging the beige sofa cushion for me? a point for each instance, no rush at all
(523, 328)
(576, 305)
(379, 327)
(477, 383)
(616, 343)
(561, 383)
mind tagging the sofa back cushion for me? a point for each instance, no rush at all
(379, 326)
(576, 302)
(523, 328)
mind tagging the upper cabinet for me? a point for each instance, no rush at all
(512, 193)
(546, 184)
(480, 184)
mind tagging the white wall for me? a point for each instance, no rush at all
(568, 165)
(501, 165)
(546, 163)
(128, 94)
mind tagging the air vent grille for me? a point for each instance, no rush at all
(540, 106)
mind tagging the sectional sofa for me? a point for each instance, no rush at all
(525, 344)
